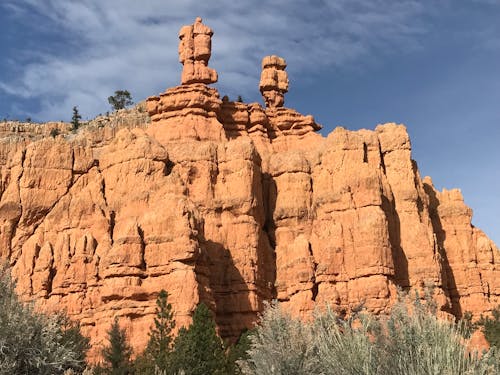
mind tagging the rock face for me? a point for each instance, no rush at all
(231, 204)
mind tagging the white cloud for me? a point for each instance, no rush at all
(133, 45)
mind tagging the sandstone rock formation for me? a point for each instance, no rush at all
(195, 48)
(273, 81)
(231, 204)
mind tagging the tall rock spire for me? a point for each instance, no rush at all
(195, 48)
(273, 81)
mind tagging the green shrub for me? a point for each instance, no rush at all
(280, 345)
(411, 340)
(33, 343)
(198, 350)
(120, 100)
(118, 352)
(54, 132)
(158, 353)
(346, 346)
(491, 327)
(417, 342)
(238, 352)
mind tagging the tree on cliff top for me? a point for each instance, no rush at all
(75, 119)
(120, 100)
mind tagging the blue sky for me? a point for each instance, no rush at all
(432, 65)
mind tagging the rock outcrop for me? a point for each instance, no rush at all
(195, 49)
(231, 204)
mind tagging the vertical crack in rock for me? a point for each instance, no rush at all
(33, 264)
(269, 206)
(112, 213)
(112, 222)
(449, 283)
(140, 232)
(382, 156)
(315, 285)
(15, 223)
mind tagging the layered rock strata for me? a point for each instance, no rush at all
(232, 204)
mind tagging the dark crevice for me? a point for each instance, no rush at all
(382, 162)
(270, 194)
(311, 212)
(15, 222)
(168, 166)
(447, 276)
(315, 286)
(52, 273)
(140, 232)
(112, 214)
(401, 275)
(365, 153)
(112, 222)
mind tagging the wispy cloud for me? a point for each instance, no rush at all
(132, 45)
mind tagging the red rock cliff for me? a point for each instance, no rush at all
(231, 204)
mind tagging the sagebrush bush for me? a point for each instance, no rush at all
(346, 346)
(410, 341)
(417, 342)
(34, 343)
(280, 345)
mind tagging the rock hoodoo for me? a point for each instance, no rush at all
(231, 204)
(195, 49)
(273, 81)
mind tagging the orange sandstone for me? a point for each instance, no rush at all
(231, 204)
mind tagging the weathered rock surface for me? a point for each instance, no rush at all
(231, 204)
(195, 48)
(273, 81)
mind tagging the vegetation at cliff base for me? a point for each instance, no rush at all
(158, 353)
(117, 354)
(491, 327)
(411, 340)
(34, 343)
(197, 349)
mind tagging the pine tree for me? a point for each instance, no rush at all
(239, 352)
(75, 120)
(198, 350)
(158, 351)
(120, 100)
(117, 354)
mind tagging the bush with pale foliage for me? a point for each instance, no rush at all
(33, 343)
(411, 340)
